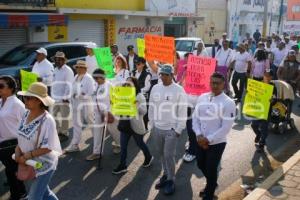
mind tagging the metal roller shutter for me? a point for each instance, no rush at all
(11, 37)
(86, 31)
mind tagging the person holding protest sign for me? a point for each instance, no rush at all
(144, 79)
(61, 93)
(115, 52)
(11, 112)
(167, 119)
(260, 126)
(135, 128)
(260, 64)
(38, 140)
(241, 65)
(43, 68)
(201, 50)
(90, 59)
(103, 115)
(121, 70)
(212, 121)
(82, 104)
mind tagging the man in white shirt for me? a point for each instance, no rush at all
(90, 59)
(83, 88)
(167, 118)
(242, 66)
(279, 54)
(131, 58)
(61, 93)
(212, 121)
(223, 57)
(43, 68)
(201, 50)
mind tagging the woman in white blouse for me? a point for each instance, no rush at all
(11, 112)
(121, 70)
(38, 140)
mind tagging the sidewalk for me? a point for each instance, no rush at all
(284, 183)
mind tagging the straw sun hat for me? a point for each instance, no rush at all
(40, 91)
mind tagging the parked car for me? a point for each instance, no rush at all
(24, 56)
(186, 44)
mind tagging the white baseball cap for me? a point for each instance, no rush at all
(91, 45)
(42, 50)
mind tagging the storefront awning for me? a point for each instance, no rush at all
(26, 20)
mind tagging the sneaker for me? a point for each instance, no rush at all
(148, 162)
(188, 157)
(257, 139)
(116, 149)
(92, 157)
(120, 169)
(72, 148)
(169, 187)
(161, 183)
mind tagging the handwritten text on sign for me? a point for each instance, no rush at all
(199, 70)
(257, 100)
(104, 60)
(27, 78)
(160, 48)
(123, 101)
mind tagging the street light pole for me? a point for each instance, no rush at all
(264, 32)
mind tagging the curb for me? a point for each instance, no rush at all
(274, 177)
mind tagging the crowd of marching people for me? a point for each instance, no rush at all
(34, 127)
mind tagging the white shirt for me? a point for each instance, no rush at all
(145, 89)
(241, 62)
(62, 83)
(131, 62)
(83, 87)
(168, 107)
(279, 55)
(48, 138)
(44, 70)
(91, 63)
(203, 53)
(101, 97)
(213, 117)
(121, 77)
(10, 116)
(224, 57)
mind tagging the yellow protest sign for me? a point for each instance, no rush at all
(257, 100)
(123, 101)
(141, 47)
(27, 78)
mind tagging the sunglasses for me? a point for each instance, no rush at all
(28, 98)
(2, 86)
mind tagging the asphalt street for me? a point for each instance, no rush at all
(77, 179)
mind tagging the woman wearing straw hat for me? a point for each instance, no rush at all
(11, 112)
(82, 103)
(38, 140)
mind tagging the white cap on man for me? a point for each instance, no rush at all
(42, 51)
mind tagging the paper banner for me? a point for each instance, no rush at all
(199, 70)
(123, 101)
(104, 60)
(257, 100)
(160, 48)
(181, 68)
(299, 45)
(141, 47)
(27, 78)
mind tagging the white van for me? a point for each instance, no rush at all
(186, 44)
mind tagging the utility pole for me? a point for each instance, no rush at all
(264, 32)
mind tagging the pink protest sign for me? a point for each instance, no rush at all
(181, 68)
(199, 70)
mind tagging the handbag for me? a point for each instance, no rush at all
(26, 172)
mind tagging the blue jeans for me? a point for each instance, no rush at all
(39, 189)
(260, 128)
(138, 140)
(192, 136)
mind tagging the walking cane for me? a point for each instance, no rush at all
(101, 146)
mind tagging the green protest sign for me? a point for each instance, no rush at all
(104, 60)
(27, 78)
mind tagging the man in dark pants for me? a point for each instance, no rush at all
(212, 121)
(17, 188)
